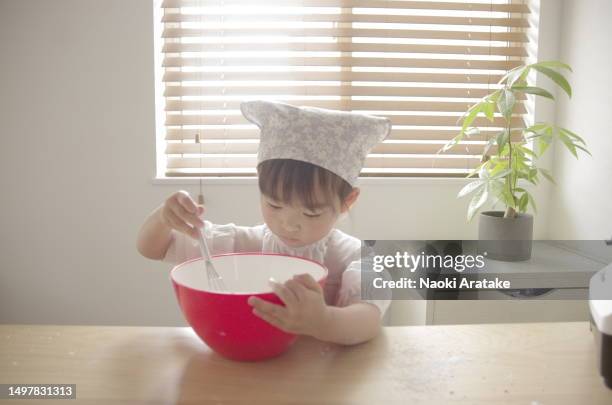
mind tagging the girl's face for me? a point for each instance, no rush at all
(297, 225)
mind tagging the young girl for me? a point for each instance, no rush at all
(308, 162)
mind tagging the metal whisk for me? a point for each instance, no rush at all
(215, 281)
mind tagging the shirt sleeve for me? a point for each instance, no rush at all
(358, 285)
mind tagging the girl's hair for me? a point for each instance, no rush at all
(282, 179)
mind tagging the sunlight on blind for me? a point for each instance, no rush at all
(420, 63)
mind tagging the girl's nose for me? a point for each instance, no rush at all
(291, 224)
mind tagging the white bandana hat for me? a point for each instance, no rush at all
(338, 141)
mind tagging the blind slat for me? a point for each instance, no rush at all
(372, 161)
(178, 47)
(415, 120)
(397, 4)
(367, 172)
(171, 76)
(342, 61)
(345, 33)
(280, 91)
(230, 132)
(354, 105)
(347, 18)
(251, 147)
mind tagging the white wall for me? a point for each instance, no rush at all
(581, 204)
(77, 166)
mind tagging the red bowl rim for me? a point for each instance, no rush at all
(240, 254)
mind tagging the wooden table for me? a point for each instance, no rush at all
(538, 363)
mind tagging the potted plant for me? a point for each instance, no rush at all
(509, 160)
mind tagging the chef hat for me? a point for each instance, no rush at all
(338, 141)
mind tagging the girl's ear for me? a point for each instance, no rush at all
(350, 200)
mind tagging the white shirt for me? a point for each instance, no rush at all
(339, 252)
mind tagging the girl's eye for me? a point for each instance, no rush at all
(276, 207)
(312, 215)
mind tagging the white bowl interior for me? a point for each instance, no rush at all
(246, 273)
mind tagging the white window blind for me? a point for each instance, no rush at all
(420, 63)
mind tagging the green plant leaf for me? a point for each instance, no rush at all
(501, 173)
(451, 143)
(512, 73)
(496, 189)
(532, 176)
(518, 160)
(506, 102)
(488, 146)
(538, 91)
(553, 64)
(506, 198)
(555, 77)
(537, 130)
(470, 187)
(526, 151)
(489, 110)
(582, 148)
(479, 199)
(543, 143)
(538, 127)
(522, 80)
(526, 176)
(574, 139)
(476, 170)
(492, 98)
(483, 173)
(532, 202)
(572, 135)
(523, 201)
(471, 114)
(502, 139)
(547, 175)
(503, 152)
(568, 143)
(472, 131)
(517, 74)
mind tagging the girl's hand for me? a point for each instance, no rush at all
(180, 212)
(305, 311)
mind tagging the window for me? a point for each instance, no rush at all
(420, 63)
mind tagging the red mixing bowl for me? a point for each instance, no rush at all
(224, 320)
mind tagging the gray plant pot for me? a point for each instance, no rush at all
(505, 239)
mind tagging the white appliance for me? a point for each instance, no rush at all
(600, 303)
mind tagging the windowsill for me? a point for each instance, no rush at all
(369, 181)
